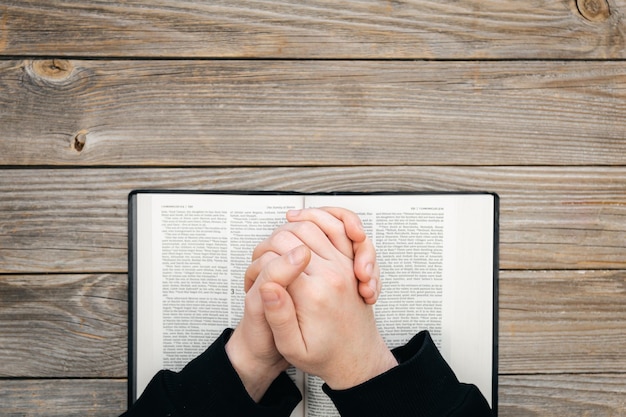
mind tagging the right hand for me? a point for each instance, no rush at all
(321, 324)
(346, 222)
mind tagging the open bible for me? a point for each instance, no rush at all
(188, 252)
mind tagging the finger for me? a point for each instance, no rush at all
(332, 226)
(376, 282)
(280, 241)
(370, 290)
(351, 220)
(255, 268)
(280, 314)
(293, 234)
(365, 265)
(367, 293)
(367, 271)
(286, 268)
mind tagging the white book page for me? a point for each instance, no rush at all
(436, 258)
(193, 250)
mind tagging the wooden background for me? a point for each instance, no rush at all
(526, 98)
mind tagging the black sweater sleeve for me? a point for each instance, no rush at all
(209, 386)
(421, 385)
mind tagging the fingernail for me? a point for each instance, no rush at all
(293, 213)
(269, 297)
(372, 285)
(296, 256)
(368, 269)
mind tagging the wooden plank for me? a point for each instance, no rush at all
(563, 395)
(432, 29)
(562, 321)
(520, 396)
(63, 325)
(75, 325)
(75, 220)
(307, 113)
(63, 397)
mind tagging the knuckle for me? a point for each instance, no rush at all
(305, 226)
(337, 282)
(283, 241)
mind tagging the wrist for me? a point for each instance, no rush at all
(378, 361)
(255, 373)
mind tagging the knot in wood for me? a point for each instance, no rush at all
(80, 138)
(53, 69)
(53, 74)
(594, 10)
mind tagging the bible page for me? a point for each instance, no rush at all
(193, 250)
(435, 252)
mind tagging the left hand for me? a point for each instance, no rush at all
(251, 349)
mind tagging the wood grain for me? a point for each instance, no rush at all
(433, 29)
(306, 113)
(562, 321)
(75, 220)
(63, 325)
(551, 322)
(524, 98)
(563, 395)
(65, 397)
(520, 396)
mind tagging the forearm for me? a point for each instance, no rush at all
(210, 386)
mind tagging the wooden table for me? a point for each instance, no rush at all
(523, 98)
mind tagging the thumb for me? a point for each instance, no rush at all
(280, 314)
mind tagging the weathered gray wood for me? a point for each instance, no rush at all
(63, 397)
(531, 106)
(520, 396)
(75, 220)
(63, 325)
(430, 29)
(75, 326)
(563, 395)
(562, 321)
(277, 113)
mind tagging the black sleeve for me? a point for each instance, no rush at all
(421, 385)
(209, 386)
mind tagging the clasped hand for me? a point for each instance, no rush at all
(309, 291)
